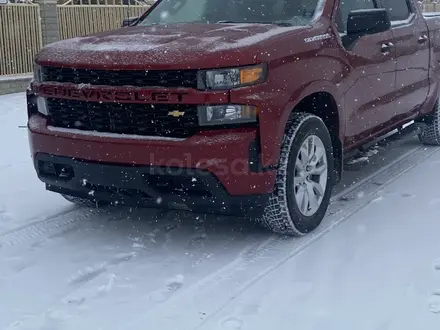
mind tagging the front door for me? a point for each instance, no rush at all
(369, 87)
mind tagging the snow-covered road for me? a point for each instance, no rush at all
(373, 264)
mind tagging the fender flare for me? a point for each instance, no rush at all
(312, 88)
(296, 97)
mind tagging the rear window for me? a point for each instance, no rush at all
(295, 12)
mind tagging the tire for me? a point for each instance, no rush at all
(283, 213)
(84, 202)
(429, 130)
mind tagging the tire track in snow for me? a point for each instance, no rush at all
(73, 284)
(55, 223)
(250, 253)
(388, 177)
(45, 227)
(434, 301)
(218, 289)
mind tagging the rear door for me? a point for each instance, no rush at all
(369, 86)
(410, 33)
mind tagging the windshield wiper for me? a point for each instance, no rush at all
(280, 23)
(283, 23)
(227, 22)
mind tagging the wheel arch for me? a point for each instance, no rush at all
(322, 102)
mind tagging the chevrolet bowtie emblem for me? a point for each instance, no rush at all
(176, 113)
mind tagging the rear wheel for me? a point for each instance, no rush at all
(430, 127)
(304, 180)
(83, 202)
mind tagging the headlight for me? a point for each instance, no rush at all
(226, 114)
(232, 78)
(38, 73)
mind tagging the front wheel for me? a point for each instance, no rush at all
(304, 180)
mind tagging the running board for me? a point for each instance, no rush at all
(394, 135)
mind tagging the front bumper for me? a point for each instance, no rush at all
(209, 174)
(175, 188)
(228, 154)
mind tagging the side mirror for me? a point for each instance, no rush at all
(368, 21)
(128, 21)
(4, 2)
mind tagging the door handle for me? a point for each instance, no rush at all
(386, 47)
(422, 39)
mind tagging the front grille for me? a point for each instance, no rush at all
(153, 78)
(124, 118)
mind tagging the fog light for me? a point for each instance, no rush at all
(42, 106)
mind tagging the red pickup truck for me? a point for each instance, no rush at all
(244, 107)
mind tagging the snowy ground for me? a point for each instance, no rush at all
(373, 264)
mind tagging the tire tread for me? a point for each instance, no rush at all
(276, 215)
(430, 133)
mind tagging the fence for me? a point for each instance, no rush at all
(106, 2)
(20, 30)
(431, 7)
(20, 38)
(80, 20)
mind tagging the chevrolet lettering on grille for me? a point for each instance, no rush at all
(102, 95)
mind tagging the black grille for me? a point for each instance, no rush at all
(153, 78)
(124, 118)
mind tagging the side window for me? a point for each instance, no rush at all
(398, 10)
(346, 6)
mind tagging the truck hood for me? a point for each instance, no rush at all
(187, 46)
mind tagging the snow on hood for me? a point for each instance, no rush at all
(184, 45)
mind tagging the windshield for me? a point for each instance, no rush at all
(299, 12)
